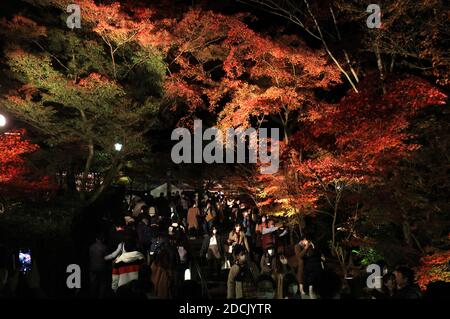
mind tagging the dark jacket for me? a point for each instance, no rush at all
(97, 253)
(408, 292)
(145, 234)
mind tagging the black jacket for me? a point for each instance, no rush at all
(409, 292)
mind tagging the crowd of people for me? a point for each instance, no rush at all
(155, 255)
(173, 247)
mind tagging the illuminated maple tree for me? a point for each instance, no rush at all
(433, 268)
(15, 171)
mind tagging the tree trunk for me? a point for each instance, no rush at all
(406, 233)
(379, 63)
(301, 223)
(106, 182)
(333, 230)
(406, 228)
(87, 167)
(291, 235)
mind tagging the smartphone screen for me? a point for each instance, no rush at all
(25, 260)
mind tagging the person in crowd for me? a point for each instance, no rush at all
(282, 269)
(248, 228)
(237, 237)
(311, 263)
(158, 243)
(162, 275)
(406, 288)
(154, 222)
(265, 287)
(162, 206)
(184, 205)
(242, 276)
(269, 262)
(267, 239)
(174, 216)
(227, 211)
(220, 217)
(290, 287)
(299, 254)
(282, 240)
(177, 198)
(213, 250)
(388, 289)
(210, 215)
(144, 233)
(140, 207)
(129, 225)
(26, 285)
(180, 255)
(4, 274)
(240, 213)
(193, 220)
(127, 266)
(97, 268)
(235, 211)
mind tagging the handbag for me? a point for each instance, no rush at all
(226, 265)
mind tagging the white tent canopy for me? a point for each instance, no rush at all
(163, 189)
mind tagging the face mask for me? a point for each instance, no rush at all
(293, 289)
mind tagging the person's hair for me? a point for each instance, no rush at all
(288, 280)
(144, 208)
(406, 272)
(307, 236)
(212, 228)
(238, 249)
(130, 245)
(268, 278)
(100, 236)
(236, 225)
(388, 276)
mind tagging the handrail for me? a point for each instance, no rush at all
(203, 283)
